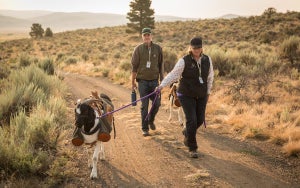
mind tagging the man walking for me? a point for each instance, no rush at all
(147, 69)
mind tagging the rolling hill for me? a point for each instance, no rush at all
(13, 20)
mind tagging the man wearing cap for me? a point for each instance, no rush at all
(147, 70)
(195, 74)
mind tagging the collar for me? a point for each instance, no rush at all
(192, 57)
(146, 44)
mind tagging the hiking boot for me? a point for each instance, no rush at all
(184, 131)
(146, 133)
(185, 142)
(193, 154)
(152, 126)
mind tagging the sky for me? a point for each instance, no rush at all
(181, 8)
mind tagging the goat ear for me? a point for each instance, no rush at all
(95, 94)
(77, 109)
(77, 102)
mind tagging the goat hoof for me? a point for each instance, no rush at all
(93, 176)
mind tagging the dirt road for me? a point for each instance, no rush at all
(161, 160)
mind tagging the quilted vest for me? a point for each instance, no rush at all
(189, 83)
(151, 73)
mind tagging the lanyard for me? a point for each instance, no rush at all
(199, 67)
(149, 49)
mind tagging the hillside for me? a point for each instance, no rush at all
(253, 113)
(13, 20)
(11, 24)
(239, 33)
(24, 14)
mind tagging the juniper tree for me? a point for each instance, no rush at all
(48, 32)
(36, 30)
(140, 15)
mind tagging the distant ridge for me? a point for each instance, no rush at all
(24, 14)
(59, 21)
(230, 16)
(22, 20)
(8, 24)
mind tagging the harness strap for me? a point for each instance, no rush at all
(97, 105)
(115, 133)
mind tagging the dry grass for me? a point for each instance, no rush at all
(292, 148)
(239, 42)
(201, 177)
(7, 36)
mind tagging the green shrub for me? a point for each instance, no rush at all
(220, 61)
(48, 32)
(295, 74)
(24, 60)
(4, 71)
(126, 66)
(28, 146)
(268, 36)
(59, 56)
(71, 60)
(32, 101)
(47, 65)
(290, 49)
(117, 55)
(105, 72)
(248, 58)
(170, 59)
(85, 57)
(24, 88)
(122, 74)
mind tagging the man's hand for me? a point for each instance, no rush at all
(133, 78)
(133, 87)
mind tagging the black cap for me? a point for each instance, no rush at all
(196, 42)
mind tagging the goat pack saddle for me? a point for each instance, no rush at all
(89, 120)
(175, 100)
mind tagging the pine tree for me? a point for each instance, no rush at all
(36, 30)
(48, 32)
(140, 15)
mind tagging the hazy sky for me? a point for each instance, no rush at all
(181, 8)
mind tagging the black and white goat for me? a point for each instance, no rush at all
(91, 128)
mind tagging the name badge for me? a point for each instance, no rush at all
(201, 80)
(148, 64)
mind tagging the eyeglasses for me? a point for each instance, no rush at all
(146, 34)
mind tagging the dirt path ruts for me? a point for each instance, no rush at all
(161, 160)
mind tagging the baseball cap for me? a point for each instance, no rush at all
(146, 30)
(196, 42)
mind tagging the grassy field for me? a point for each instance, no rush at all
(7, 36)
